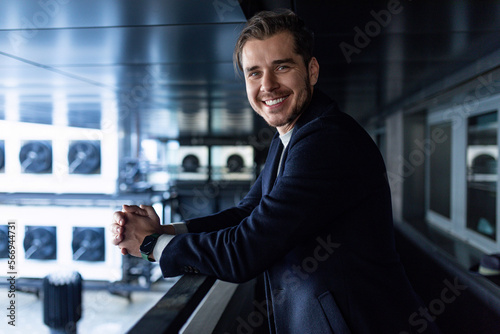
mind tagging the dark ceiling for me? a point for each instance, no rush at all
(166, 66)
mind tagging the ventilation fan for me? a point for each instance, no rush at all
(88, 243)
(232, 162)
(235, 163)
(2, 154)
(190, 163)
(84, 157)
(36, 157)
(40, 243)
(484, 164)
(4, 249)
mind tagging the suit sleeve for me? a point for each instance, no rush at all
(320, 181)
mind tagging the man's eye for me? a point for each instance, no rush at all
(282, 67)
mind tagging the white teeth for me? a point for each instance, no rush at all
(273, 102)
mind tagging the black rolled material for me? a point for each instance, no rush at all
(62, 302)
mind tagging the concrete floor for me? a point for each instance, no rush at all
(103, 312)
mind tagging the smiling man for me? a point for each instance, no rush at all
(317, 223)
(278, 81)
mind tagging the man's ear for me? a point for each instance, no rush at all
(313, 71)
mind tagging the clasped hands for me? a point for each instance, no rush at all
(130, 226)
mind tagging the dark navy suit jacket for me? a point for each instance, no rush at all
(321, 232)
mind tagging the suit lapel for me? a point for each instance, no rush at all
(315, 108)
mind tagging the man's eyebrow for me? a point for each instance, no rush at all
(283, 61)
(250, 69)
(275, 62)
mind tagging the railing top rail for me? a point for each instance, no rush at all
(175, 307)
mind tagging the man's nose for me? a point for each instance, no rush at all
(269, 82)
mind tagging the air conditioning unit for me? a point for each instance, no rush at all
(232, 162)
(41, 158)
(189, 163)
(482, 163)
(51, 238)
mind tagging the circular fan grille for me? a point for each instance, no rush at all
(235, 163)
(88, 244)
(4, 250)
(36, 157)
(40, 242)
(190, 163)
(84, 157)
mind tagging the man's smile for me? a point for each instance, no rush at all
(274, 102)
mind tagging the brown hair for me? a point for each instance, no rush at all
(268, 23)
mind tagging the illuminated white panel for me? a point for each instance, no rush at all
(61, 178)
(63, 220)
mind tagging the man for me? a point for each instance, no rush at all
(317, 222)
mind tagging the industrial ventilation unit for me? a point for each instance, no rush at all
(232, 163)
(189, 163)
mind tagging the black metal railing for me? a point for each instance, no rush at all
(175, 307)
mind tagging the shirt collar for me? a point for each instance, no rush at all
(285, 138)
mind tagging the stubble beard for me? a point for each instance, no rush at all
(298, 109)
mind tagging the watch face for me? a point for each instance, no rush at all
(148, 244)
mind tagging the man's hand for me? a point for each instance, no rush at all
(131, 225)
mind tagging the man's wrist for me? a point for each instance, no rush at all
(167, 229)
(180, 227)
(147, 246)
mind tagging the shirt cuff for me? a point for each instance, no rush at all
(164, 239)
(161, 243)
(180, 228)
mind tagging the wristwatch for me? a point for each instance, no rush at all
(148, 245)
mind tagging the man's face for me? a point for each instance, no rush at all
(278, 83)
